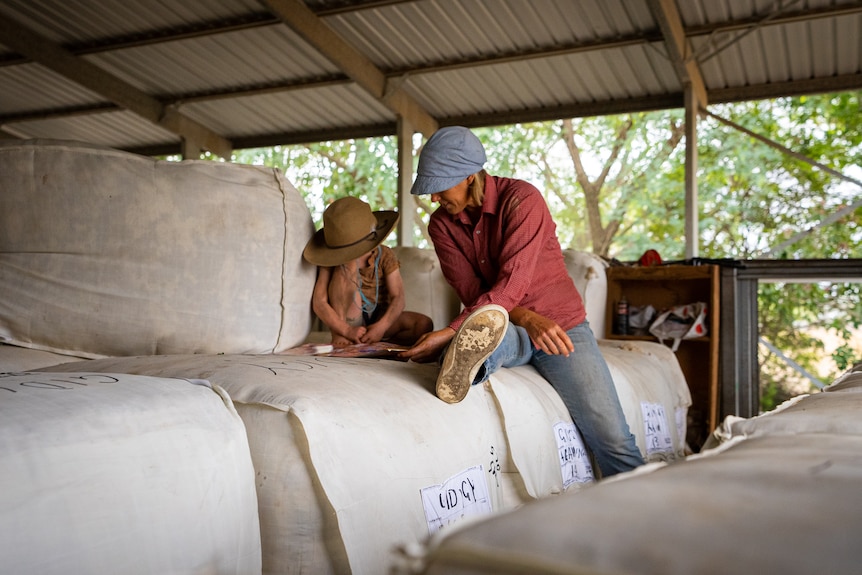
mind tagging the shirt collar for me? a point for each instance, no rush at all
(489, 203)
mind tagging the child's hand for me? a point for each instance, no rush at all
(353, 335)
(356, 333)
(340, 341)
(373, 333)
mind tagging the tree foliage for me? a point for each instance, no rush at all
(326, 171)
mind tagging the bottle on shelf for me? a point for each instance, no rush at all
(622, 316)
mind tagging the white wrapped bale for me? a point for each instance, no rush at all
(343, 448)
(532, 413)
(16, 358)
(851, 380)
(835, 410)
(771, 504)
(589, 272)
(105, 473)
(425, 288)
(106, 253)
(653, 393)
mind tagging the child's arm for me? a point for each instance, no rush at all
(394, 308)
(320, 304)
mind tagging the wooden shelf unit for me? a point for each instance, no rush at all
(664, 287)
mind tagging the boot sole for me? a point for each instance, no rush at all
(476, 339)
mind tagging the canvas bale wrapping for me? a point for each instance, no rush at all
(16, 358)
(343, 447)
(644, 373)
(110, 473)
(589, 273)
(769, 504)
(835, 410)
(107, 253)
(851, 380)
(425, 288)
(647, 376)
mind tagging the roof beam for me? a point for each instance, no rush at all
(316, 32)
(158, 36)
(788, 89)
(56, 58)
(776, 19)
(282, 139)
(265, 19)
(646, 104)
(679, 49)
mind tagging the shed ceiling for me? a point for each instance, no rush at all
(152, 75)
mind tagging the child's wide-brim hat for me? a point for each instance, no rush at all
(350, 229)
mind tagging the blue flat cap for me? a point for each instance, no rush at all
(450, 155)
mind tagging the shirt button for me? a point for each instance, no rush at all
(483, 261)
(478, 231)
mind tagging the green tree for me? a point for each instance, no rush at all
(326, 171)
(755, 197)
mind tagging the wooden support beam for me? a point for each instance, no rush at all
(406, 203)
(679, 48)
(680, 52)
(193, 132)
(315, 31)
(692, 234)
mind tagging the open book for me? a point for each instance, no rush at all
(380, 349)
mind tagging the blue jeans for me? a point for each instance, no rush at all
(584, 383)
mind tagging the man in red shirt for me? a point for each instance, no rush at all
(498, 248)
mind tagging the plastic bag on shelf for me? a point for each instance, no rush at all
(680, 322)
(640, 317)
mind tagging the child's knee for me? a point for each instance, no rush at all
(422, 324)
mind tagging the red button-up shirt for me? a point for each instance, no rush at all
(511, 257)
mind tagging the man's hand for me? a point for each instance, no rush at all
(545, 333)
(429, 346)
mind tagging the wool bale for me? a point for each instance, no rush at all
(111, 473)
(850, 380)
(769, 504)
(16, 358)
(835, 412)
(425, 288)
(106, 253)
(653, 393)
(533, 415)
(589, 272)
(343, 450)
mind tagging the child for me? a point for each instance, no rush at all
(359, 293)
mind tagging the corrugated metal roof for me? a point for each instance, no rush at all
(259, 72)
